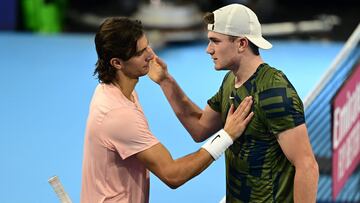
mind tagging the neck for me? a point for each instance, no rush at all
(246, 69)
(126, 86)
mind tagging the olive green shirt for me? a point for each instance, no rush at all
(256, 168)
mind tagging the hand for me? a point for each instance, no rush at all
(237, 121)
(158, 70)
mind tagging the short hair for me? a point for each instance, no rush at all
(116, 38)
(209, 18)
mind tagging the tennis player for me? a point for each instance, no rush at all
(119, 148)
(273, 160)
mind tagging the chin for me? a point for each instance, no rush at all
(143, 74)
(219, 68)
(145, 71)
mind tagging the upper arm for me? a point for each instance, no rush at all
(210, 121)
(296, 145)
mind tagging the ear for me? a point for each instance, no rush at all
(243, 43)
(116, 63)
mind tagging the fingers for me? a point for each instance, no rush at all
(231, 110)
(157, 59)
(238, 119)
(160, 62)
(248, 118)
(244, 108)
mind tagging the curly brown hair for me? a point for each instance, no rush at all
(116, 38)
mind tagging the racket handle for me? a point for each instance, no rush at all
(59, 189)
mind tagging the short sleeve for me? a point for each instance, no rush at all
(127, 132)
(215, 101)
(282, 107)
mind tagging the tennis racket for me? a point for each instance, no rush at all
(59, 189)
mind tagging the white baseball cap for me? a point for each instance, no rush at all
(238, 20)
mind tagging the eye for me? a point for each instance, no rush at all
(139, 53)
(214, 41)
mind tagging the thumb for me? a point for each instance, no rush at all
(160, 62)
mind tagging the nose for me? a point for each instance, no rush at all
(150, 54)
(209, 50)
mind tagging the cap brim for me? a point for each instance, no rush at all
(260, 42)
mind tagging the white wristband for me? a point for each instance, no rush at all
(218, 143)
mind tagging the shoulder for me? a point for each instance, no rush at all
(270, 77)
(126, 115)
(275, 90)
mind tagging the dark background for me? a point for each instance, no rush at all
(15, 15)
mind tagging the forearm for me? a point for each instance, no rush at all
(305, 184)
(187, 112)
(187, 167)
(191, 165)
(176, 172)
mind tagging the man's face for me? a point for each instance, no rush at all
(222, 51)
(138, 65)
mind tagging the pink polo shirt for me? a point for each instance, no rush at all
(116, 129)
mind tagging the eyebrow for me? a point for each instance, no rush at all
(142, 50)
(214, 38)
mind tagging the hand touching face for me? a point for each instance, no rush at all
(158, 69)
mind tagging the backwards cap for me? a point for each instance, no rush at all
(238, 20)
